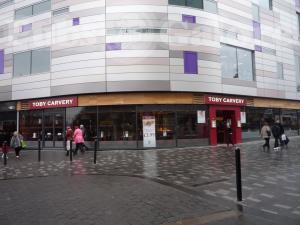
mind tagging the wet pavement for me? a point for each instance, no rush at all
(168, 186)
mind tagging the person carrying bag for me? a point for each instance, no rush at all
(16, 143)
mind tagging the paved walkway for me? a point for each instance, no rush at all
(190, 185)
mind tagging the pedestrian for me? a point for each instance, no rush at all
(266, 134)
(84, 147)
(276, 131)
(78, 139)
(69, 138)
(228, 134)
(16, 143)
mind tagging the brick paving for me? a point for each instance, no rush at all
(271, 182)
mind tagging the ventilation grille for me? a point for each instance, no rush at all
(24, 105)
(198, 99)
(250, 102)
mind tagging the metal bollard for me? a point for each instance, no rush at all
(71, 151)
(238, 174)
(95, 151)
(39, 150)
(4, 150)
(5, 158)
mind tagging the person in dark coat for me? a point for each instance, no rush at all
(277, 130)
(228, 135)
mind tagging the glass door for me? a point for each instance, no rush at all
(54, 120)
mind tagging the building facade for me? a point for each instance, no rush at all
(148, 73)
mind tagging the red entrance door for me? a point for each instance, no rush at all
(219, 116)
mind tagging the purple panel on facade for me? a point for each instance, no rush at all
(258, 48)
(190, 62)
(1, 61)
(76, 21)
(113, 46)
(188, 18)
(26, 27)
(256, 30)
(297, 3)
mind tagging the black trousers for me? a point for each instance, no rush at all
(267, 143)
(229, 139)
(17, 151)
(276, 144)
(78, 146)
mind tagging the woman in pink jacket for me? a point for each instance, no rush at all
(78, 139)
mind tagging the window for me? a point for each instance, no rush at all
(32, 62)
(298, 72)
(1, 61)
(298, 16)
(6, 3)
(237, 63)
(256, 30)
(120, 31)
(267, 4)
(210, 6)
(40, 61)
(255, 12)
(188, 19)
(23, 13)
(191, 3)
(22, 63)
(297, 3)
(32, 10)
(60, 11)
(41, 7)
(190, 62)
(280, 70)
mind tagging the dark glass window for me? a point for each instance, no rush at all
(289, 122)
(191, 3)
(31, 124)
(255, 118)
(237, 63)
(8, 124)
(117, 127)
(86, 116)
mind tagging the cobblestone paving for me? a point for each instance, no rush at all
(271, 180)
(104, 200)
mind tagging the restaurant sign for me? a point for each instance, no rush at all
(221, 100)
(63, 102)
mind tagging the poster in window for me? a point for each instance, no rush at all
(243, 117)
(201, 117)
(149, 132)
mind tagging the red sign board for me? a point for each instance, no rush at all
(221, 100)
(53, 103)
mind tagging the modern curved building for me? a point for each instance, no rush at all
(148, 73)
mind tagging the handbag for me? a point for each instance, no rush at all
(68, 145)
(23, 144)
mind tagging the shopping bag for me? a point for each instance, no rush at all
(283, 137)
(68, 147)
(23, 144)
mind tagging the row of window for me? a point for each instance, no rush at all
(236, 62)
(207, 5)
(32, 62)
(33, 10)
(45, 6)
